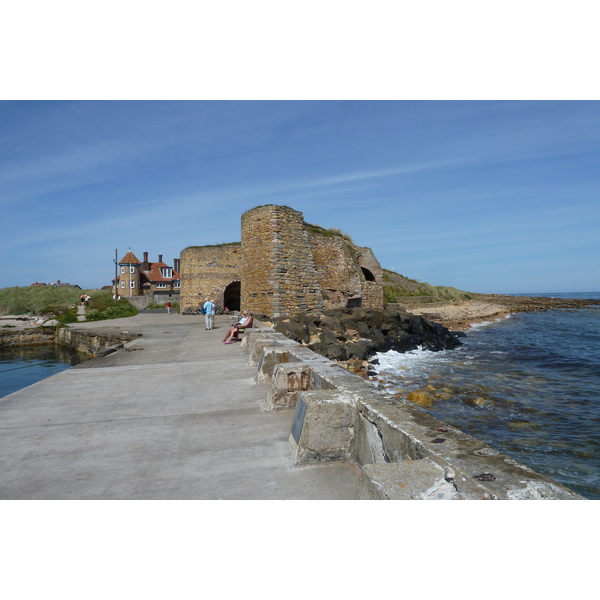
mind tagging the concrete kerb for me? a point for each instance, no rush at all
(403, 452)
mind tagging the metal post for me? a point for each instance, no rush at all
(116, 268)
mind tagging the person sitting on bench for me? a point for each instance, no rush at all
(243, 324)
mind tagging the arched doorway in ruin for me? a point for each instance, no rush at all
(368, 275)
(232, 296)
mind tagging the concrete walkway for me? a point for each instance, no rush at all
(175, 415)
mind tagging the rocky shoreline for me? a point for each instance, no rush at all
(351, 337)
(460, 315)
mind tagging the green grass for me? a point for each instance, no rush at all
(330, 233)
(396, 287)
(33, 300)
(215, 245)
(62, 303)
(102, 306)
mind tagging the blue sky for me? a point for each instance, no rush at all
(485, 196)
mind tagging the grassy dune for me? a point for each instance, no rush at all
(59, 302)
(397, 288)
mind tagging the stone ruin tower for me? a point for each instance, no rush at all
(282, 266)
(277, 268)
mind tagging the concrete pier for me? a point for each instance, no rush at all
(173, 415)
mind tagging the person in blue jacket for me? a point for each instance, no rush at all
(209, 311)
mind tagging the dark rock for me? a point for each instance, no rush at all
(300, 331)
(405, 342)
(388, 326)
(360, 350)
(363, 329)
(359, 314)
(331, 323)
(335, 351)
(349, 322)
(379, 331)
(328, 337)
(375, 319)
(294, 331)
(382, 343)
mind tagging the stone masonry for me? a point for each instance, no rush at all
(207, 272)
(282, 266)
(278, 270)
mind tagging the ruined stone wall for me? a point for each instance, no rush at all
(339, 266)
(278, 271)
(338, 270)
(367, 259)
(205, 273)
(284, 266)
(372, 295)
(372, 290)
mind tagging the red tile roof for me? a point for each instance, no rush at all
(154, 272)
(130, 258)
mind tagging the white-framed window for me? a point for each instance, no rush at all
(161, 286)
(122, 270)
(131, 269)
(132, 284)
(123, 284)
(166, 272)
(177, 284)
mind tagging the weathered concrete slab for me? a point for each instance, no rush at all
(340, 416)
(175, 414)
(408, 480)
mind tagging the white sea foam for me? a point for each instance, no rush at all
(411, 362)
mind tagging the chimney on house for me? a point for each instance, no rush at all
(176, 264)
(146, 265)
(160, 258)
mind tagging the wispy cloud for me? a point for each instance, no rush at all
(48, 174)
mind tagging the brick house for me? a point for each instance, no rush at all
(145, 278)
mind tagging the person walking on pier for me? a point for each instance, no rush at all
(209, 311)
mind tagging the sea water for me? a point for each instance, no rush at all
(527, 385)
(26, 365)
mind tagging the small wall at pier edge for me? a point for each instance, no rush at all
(87, 342)
(90, 343)
(28, 337)
(403, 452)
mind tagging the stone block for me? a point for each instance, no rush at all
(288, 380)
(323, 427)
(408, 480)
(269, 359)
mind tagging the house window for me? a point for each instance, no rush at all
(122, 269)
(132, 284)
(123, 284)
(166, 272)
(161, 286)
(177, 284)
(131, 269)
